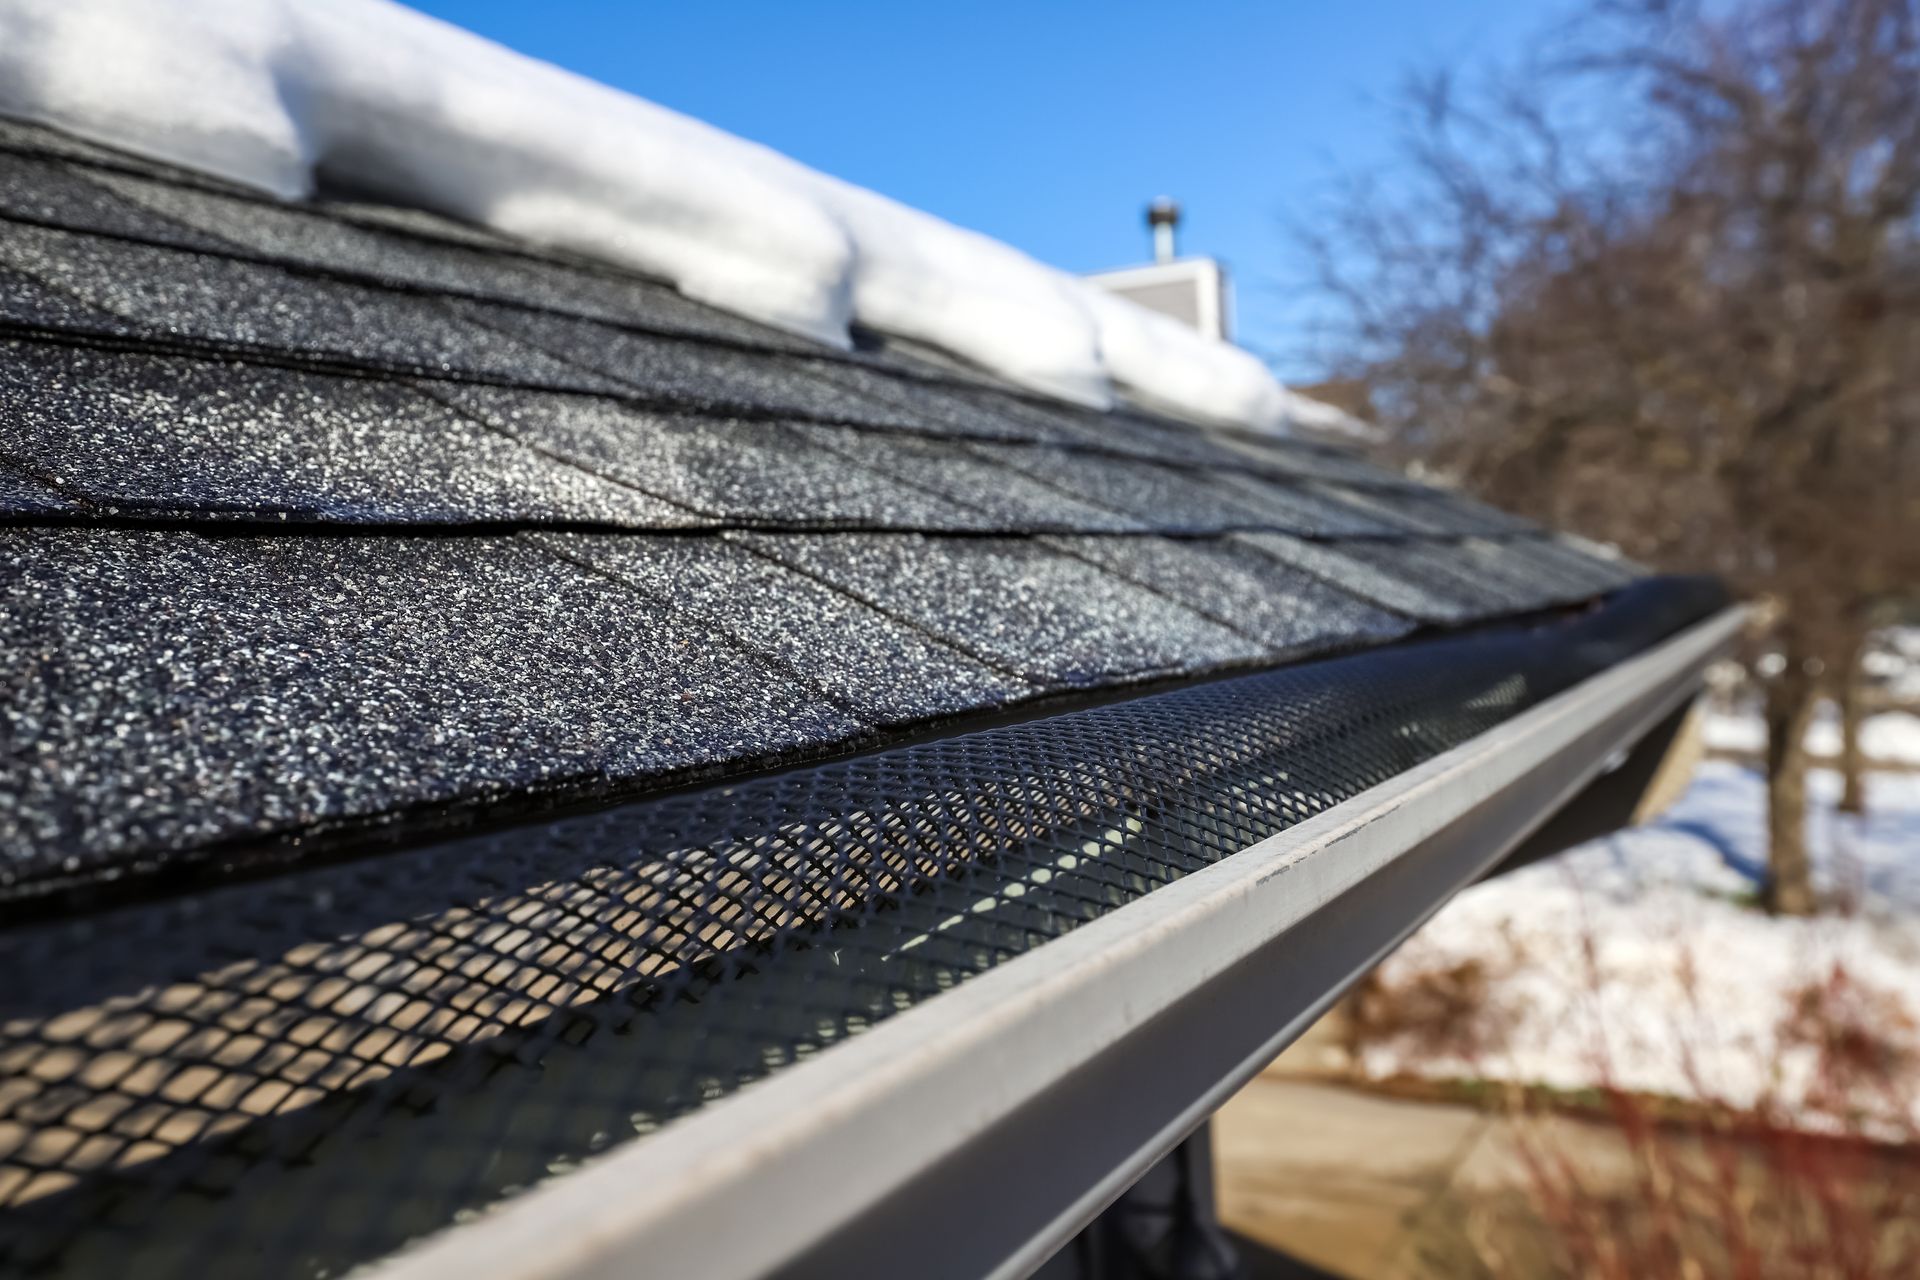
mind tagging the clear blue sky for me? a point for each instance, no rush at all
(1045, 124)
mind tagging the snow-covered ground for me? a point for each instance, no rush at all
(1894, 662)
(1892, 737)
(1639, 961)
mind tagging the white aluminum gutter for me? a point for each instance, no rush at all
(980, 1129)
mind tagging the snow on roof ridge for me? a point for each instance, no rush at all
(272, 93)
(1330, 419)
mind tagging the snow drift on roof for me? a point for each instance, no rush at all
(281, 94)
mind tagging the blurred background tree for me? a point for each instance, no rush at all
(1660, 285)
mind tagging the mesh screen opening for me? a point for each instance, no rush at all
(298, 1075)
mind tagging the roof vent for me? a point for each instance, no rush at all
(1163, 216)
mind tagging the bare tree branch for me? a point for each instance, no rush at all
(1664, 289)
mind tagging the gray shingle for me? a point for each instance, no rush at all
(686, 373)
(53, 192)
(652, 305)
(167, 690)
(1562, 562)
(914, 359)
(26, 301)
(750, 473)
(20, 494)
(1300, 459)
(1375, 575)
(1450, 581)
(1469, 515)
(19, 135)
(1058, 621)
(1454, 571)
(1119, 431)
(1516, 574)
(1513, 576)
(420, 253)
(214, 299)
(945, 398)
(1425, 511)
(887, 671)
(157, 434)
(1152, 435)
(1297, 506)
(1153, 496)
(928, 407)
(1380, 509)
(1288, 611)
(412, 222)
(302, 234)
(970, 478)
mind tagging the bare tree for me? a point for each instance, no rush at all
(1851, 695)
(1662, 287)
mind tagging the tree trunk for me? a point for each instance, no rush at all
(1853, 768)
(1792, 697)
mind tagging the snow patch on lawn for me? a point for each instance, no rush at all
(1891, 737)
(1638, 961)
(281, 94)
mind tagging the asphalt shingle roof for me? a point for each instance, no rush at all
(332, 515)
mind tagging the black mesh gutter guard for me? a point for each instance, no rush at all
(977, 1133)
(1062, 942)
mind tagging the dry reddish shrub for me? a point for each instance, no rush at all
(1863, 1039)
(1740, 1199)
(1723, 1192)
(1444, 1011)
